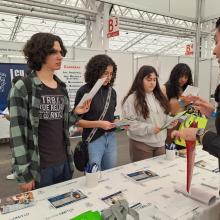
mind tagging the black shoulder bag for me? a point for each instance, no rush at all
(81, 155)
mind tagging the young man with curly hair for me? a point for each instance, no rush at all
(39, 124)
(102, 148)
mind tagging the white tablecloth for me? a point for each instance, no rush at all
(158, 192)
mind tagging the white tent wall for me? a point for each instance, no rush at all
(204, 82)
(124, 76)
(15, 49)
(164, 65)
(176, 8)
(211, 8)
(215, 76)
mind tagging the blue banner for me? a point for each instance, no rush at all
(7, 72)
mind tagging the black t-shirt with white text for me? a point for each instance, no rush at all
(50, 131)
(96, 108)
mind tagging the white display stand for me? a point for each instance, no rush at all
(158, 192)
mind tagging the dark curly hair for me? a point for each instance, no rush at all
(39, 47)
(138, 88)
(173, 89)
(97, 66)
(217, 24)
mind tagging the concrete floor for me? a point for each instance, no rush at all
(10, 187)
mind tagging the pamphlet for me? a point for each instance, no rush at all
(113, 198)
(92, 92)
(121, 123)
(207, 166)
(66, 198)
(191, 90)
(16, 202)
(171, 120)
(142, 175)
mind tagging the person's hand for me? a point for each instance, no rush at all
(203, 106)
(186, 99)
(156, 130)
(7, 116)
(126, 127)
(173, 124)
(79, 110)
(188, 134)
(106, 125)
(27, 186)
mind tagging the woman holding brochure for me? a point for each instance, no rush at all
(180, 78)
(147, 109)
(102, 147)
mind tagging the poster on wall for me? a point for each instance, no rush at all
(7, 72)
(72, 73)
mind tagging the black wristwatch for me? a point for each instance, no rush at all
(199, 133)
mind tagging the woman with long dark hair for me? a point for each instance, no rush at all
(102, 147)
(147, 109)
(180, 78)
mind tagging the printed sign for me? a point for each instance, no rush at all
(72, 73)
(113, 27)
(7, 72)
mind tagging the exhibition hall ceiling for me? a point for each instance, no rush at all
(18, 28)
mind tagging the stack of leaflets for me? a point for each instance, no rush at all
(66, 198)
(207, 166)
(16, 202)
(142, 175)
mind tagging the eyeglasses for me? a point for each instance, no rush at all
(107, 74)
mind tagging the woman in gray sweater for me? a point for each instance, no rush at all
(147, 109)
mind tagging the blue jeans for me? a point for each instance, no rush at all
(103, 151)
(55, 174)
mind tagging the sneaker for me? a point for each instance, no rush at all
(11, 176)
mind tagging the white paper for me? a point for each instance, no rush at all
(92, 92)
(121, 123)
(173, 204)
(191, 90)
(5, 112)
(149, 212)
(207, 165)
(197, 194)
(176, 117)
